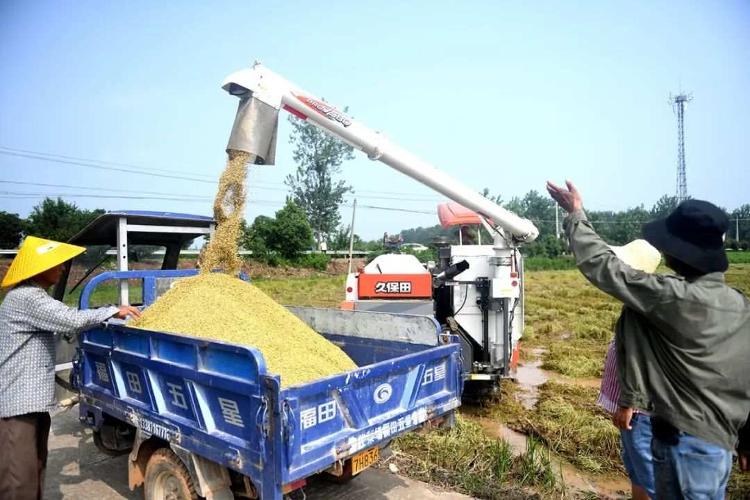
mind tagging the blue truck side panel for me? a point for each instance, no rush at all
(218, 400)
(337, 417)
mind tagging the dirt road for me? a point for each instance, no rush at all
(77, 470)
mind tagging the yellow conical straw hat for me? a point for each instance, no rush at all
(37, 255)
(639, 254)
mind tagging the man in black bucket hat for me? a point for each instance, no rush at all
(683, 341)
(693, 235)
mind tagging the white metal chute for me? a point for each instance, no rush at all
(253, 133)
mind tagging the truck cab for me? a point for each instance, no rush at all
(129, 236)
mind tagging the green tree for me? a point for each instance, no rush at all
(318, 156)
(58, 219)
(255, 236)
(740, 219)
(11, 229)
(291, 231)
(628, 225)
(515, 205)
(664, 206)
(540, 209)
(426, 235)
(340, 240)
(604, 223)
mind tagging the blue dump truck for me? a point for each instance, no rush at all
(202, 418)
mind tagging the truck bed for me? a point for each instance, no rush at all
(219, 401)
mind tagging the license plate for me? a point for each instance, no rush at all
(363, 460)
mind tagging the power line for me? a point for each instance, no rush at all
(69, 186)
(391, 209)
(102, 167)
(138, 191)
(109, 196)
(174, 174)
(103, 162)
(189, 199)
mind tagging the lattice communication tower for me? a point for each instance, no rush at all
(678, 105)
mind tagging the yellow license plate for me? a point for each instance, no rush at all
(363, 460)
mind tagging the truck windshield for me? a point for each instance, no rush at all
(99, 259)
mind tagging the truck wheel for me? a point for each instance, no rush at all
(99, 443)
(167, 478)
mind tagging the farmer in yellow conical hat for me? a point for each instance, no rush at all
(29, 318)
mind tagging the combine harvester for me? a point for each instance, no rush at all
(206, 418)
(468, 292)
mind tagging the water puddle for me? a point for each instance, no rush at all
(575, 481)
(610, 488)
(529, 376)
(515, 439)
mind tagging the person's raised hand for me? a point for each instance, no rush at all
(622, 418)
(569, 199)
(126, 311)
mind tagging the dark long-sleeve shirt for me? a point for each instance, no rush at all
(29, 317)
(683, 346)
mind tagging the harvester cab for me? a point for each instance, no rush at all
(128, 236)
(486, 295)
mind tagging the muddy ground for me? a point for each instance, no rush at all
(77, 470)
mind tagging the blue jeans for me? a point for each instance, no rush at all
(636, 453)
(689, 467)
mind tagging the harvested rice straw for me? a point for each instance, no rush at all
(229, 205)
(221, 307)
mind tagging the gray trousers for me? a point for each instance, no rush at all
(23, 442)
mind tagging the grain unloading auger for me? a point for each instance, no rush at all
(263, 93)
(476, 291)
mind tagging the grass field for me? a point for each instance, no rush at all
(573, 323)
(570, 323)
(739, 257)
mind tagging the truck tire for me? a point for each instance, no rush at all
(167, 478)
(99, 443)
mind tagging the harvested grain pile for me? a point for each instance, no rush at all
(220, 307)
(229, 206)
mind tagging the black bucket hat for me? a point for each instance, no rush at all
(694, 234)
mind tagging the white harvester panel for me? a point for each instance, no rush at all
(487, 261)
(402, 263)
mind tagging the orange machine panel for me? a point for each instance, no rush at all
(394, 286)
(453, 214)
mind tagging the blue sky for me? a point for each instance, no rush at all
(502, 95)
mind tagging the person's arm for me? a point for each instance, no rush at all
(636, 289)
(595, 259)
(47, 314)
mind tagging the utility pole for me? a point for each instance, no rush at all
(678, 105)
(737, 228)
(557, 221)
(351, 236)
